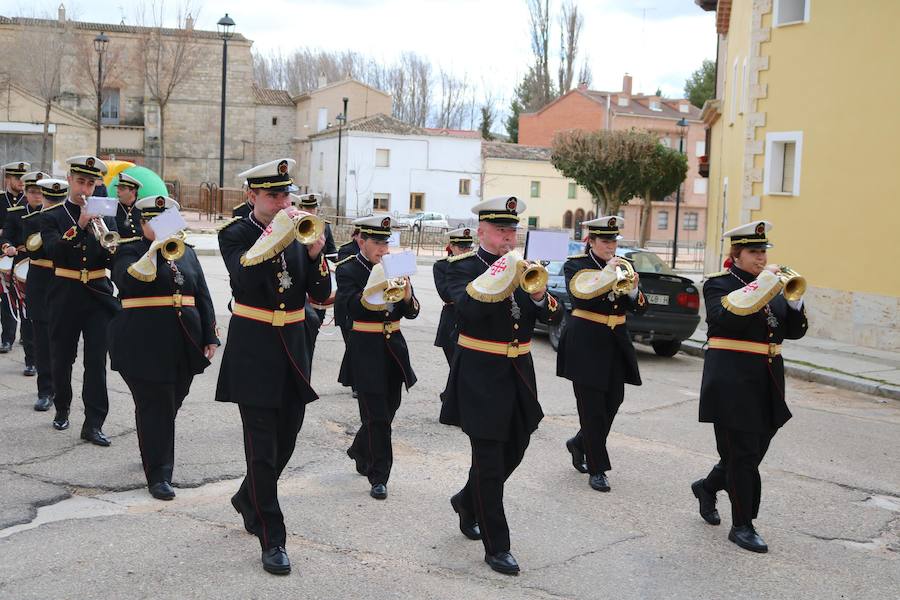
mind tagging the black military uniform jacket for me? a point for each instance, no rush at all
(740, 390)
(242, 210)
(40, 274)
(586, 348)
(329, 250)
(73, 248)
(446, 330)
(128, 221)
(347, 250)
(365, 364)
(485, 392)
(154, 343)
(259, 356)
(8, 201)
(14, 229)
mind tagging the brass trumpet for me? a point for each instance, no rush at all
(308, 228)
(172, 248)
(534, 277)
(108, 239)
(625, 277)
(395, 290)
(794, 283)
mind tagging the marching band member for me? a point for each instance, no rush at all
(270, 274)
(128, 218)
(595, 350)
(346, 253)
(167, 307)
(310, 203)
(13, 244)
(12, 197)
(491, 392)
(376, 360)
(461, 241)
(81, 300)
(742, 392)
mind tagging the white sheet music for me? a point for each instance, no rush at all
(167, 223)
(547, 245)
(400, 264)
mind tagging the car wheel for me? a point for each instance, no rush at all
(555, 332)
(666, 347)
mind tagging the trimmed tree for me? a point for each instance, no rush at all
(662, 170)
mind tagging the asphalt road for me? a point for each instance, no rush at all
(77, 522)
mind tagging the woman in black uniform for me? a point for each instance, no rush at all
(595, 350)
(165, 334)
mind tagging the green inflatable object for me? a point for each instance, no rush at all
(151, 184)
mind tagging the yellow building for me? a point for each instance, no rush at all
(803, 133)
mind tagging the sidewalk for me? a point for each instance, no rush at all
(842, 365)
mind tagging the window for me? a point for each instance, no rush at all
(790, 12)
(381, 202)
(684, 107)
(654, 105)
(590, 215)
(382, 157)
(464, 187)
(700, 185)
(573, 190)
(784, 151)
(662, 219)
(416, 201)
(532, 222)
(535, 189)
(322, 122)
(622, 100)
(579, 217)
(567, 219)
(109, 109)
(274, 121)
(700, 148)
(690, 221)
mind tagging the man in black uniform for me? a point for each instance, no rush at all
(128, 218)
(491, 392)
(12, 243)
(37, 287)
(81, 300)
(164, 335)
(742, 391)
(376, 361)
(266, 363)
(12, 197)
(461, 241)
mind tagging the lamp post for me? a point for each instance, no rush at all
(226, 31)
(682, 125)
(100, 44)
(341, 119)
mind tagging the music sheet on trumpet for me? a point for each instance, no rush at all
(167, 223)
(400, 264)
(546, 245)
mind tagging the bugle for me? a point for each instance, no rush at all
(534, 277)
(625, 277)
(172, 248)
(794, 283)
(108, 239)
(307, 228)
(395, 290)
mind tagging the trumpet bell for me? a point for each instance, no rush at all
(395, 290)
(794, 283)
(624, 278)
(172, 249)
(534, 278)
(308, 228)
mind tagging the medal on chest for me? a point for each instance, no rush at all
(284, 279)
(514, 310)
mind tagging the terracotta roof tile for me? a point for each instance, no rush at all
(514, 151)
(272, 97)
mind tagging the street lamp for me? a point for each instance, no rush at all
(100, 44)
(682, 125)
(226, 32)
(341, 119)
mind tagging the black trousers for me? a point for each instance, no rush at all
(270, 435)
(345, 333)
(596, 411)
(372, 444)
(27, 333)
(65, 328)
(492, 463)
(155, 407)
(449, 349)
(42, 357)
(741, 453)
(7, 319)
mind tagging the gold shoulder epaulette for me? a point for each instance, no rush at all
(31, 214)
(129, 240)
(229, 222)
(14, 208)
(461, 256)
(46, 208)
(719, 274)
(576, 256)
(237, 206)
(343, 260)
(442, 258)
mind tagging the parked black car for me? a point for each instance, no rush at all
(673, 303)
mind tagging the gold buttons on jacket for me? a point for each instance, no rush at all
(281, 305)
(515, 325)
(281, 290)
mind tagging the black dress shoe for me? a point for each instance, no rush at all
(5, 347)
(746, 537)
(61, 420)
(360, 468)
(95, 436)
(467, 522)
(577, 456)
(43, 403)
(29, 371)
(378, 491)
(246, 513)
(162, 490)
(599, 482)
(707, 503)
(275, 560)
(502, 562)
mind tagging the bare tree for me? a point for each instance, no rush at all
(88, 75)
(539, 13)
(584, 74)
(454, 104)
(571, 22)
(167, 57)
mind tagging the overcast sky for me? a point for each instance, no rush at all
(659, 42)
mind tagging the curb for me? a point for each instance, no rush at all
(844, 381)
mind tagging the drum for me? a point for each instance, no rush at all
(330, 300)
(6, 277)
(20, 274)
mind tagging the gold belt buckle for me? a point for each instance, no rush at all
(512, 349)
(386, 328)
(176, 300)
(773, 349)
(278, 317)
(83, 276)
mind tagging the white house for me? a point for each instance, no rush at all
(392, 167)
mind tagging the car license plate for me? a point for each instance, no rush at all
(657, 299)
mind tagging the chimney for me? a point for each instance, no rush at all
(62, 14)
(189, 22)
(582, 85)
(626, 85)
(322, 80)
